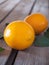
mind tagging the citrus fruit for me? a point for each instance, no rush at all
(19, 35)
(37, 21)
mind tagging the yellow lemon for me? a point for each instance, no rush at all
(37, 21)
(19, 35)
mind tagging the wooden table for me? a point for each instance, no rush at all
(11, 10)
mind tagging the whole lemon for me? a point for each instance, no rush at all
(19, 35)
(37, 21)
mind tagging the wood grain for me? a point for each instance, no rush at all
(35, 55)
(19, 12)
(4, 56)
(7, 7)
(32, 59)
(42, 6)
(32, 55)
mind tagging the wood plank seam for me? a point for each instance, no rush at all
(29, 14)
(39, 58)
(14, 8)
(12, 56)
(32, 7)
(3, 2)
(8, 14)
(16, 51)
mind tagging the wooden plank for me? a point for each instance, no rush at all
(7, 7)
(11, 58)
(2, 1)
(18, 13)
(42, 6)
(32, 59)
(4, 56)
(43, 51)
(3, 45)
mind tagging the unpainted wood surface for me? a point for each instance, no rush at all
(7, 7)
(4, 56)
(19, 11)
(32, 55)
(42, 6)
(35, 55)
